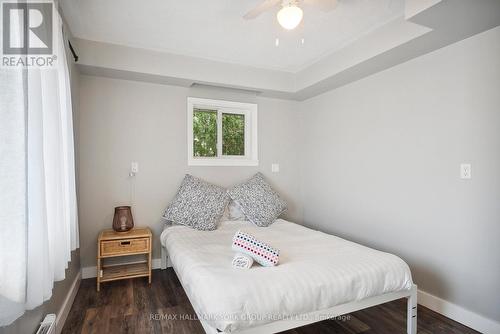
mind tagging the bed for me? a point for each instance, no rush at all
(319, 276)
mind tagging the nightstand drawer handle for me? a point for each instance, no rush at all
(125, 243)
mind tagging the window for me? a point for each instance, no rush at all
(221, 133)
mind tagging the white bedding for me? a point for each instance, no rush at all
(316, 271)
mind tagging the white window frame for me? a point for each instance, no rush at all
(227, 107)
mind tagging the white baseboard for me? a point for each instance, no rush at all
(91, 272)
(156, 263)
(458, 313)
(63, 312)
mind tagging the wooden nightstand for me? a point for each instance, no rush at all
(114, 244)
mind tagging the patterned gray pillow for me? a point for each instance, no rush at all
(198, 204)
(258, 201)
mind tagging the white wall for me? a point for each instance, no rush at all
(122, 121)
(381, 167)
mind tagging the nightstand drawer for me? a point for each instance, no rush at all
(124, 247)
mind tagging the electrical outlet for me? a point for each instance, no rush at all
(275, 168)
(465, 171)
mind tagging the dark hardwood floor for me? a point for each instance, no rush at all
(127, 307)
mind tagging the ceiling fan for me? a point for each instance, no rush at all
(290, 14)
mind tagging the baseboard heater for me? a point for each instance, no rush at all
(48, 325)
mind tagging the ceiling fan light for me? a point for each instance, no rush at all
(289, 17)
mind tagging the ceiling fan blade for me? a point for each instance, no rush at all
(265, 5)
(324, 5)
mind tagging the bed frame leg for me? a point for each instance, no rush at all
(163, 258)
(411, 313)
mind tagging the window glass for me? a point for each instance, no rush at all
(204, 133)
(233, 134)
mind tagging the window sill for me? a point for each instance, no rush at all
(223, 162)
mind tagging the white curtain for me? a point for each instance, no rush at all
(38, 213)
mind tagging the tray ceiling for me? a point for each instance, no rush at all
(215, 29)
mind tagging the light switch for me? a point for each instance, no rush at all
(465, 171)
(134, 167)
(275, 168)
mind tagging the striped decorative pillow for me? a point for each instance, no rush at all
(261, 252)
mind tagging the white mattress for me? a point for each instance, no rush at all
(316, 271)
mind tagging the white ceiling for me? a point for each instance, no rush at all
(216, 30)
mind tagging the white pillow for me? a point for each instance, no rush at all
(233, 212)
